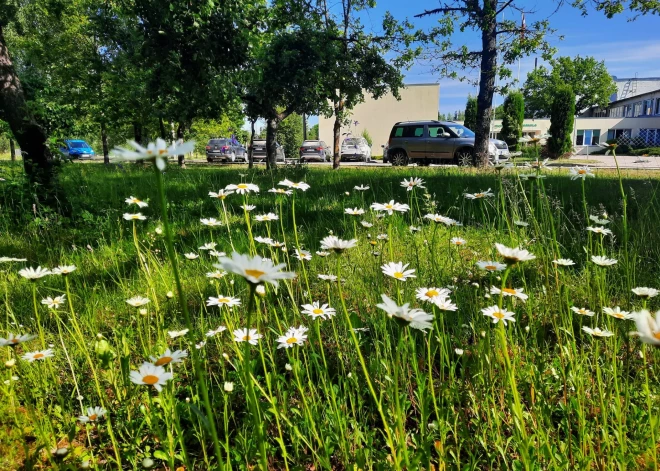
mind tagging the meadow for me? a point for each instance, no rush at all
(367, 321)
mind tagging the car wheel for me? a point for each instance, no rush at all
(209, 160)
(464, 158)
(399, 159)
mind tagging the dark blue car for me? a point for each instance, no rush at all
(77, 149)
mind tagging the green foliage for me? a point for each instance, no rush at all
(615, 7)
(470, 114)
(562, 116)
(313, 133)
(290, 135)
(367, 137)
(588, 77)
(513, 115)
(204, 129)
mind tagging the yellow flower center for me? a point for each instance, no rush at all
(398, 275)
(479, 195)
(509, 291)
(373, 242)
(162, 151)
(582, 311)
(618, 315)
(150, 379)
(389, 206)
(163, 361)
(656, 335)
(499, 315)
(458, 242)
(291, 340)
(223, 300)
(582, 172)
(317, 311)
(247, 338)
(93, 417)
(490, 267)
(14, 341)
(254, 273)
(38, 355)
(242, 186)
(431, 293)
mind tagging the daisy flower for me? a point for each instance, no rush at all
(221, 194)
(498, 314)
(277, 244)
(248, 207)
(208, 246)
(390, 207)
(215, 253)
(317, 310)
(382, 237)
(480, 195)
(177, 333)
(281, 191)
(596, 332)
(33, 274)
(298, 186)
(645, 292)
(151, 375)
(361, 188)
(413, 183)
(54, 303)
(266, 217)
(583, 311)
(254, 269)
(515, 292)
(414, 228)
(211, 222)
(263, 240)
(228, 386)
(169, 357)
(603, 261)
(354, 211)
(13, 340)
(429, 294)
(457, 241)
(157, 152)
(521, 223)
(327, 277)
(648, 327)
(444, 303)
(93, 414)
(513, 256)
(137, 301)
(293, 336)
(398, 270)
(491, 266)
(216, 274)
(133, 200)
(442, 219)
(580, 172)
(228, 301)
(12, 259)
(301, 254)
(214, 332)
(366, 224)
(617, 312)
(564, 262)
(134, 217)
(600, 230)
(191, 255)
(337, 244)
(251, 337)
(322, 253)
(63, 270)
(415, 318)
(38, 355)
(598, 220)
(243, 188)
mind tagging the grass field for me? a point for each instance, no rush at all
(362, 387)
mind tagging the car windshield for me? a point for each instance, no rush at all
(460, 130)
(353, 141)
(259, 143)
(311, 143)
(219, 142)
(78, 144)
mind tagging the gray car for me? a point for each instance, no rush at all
(315, 150)
(224, 150)
(426, 142)
(259, 153)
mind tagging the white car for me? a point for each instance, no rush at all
(355, 148)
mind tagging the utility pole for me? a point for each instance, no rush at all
(304, 117)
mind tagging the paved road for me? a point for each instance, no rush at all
(627, 162)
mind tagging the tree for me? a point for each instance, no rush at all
(513, 115)
(290, 135)
(613, 7)
(313, 133)
(562, 116)
(591, 83)
(470, 115)
(511, 40)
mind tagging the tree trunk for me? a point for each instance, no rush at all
(251, 146)
(336, 130)
(486, 83)
(137, 132)
(304, 117)
(179, 138)
(271, 147)
(31, 138)
(12, 150)
(104, 142)
(161, 125)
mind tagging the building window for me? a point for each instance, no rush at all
(637, 109)
(616, 112)
(617, 133)
(657, 106)
(587, 137)
(627, 111)
(650, 136)
(648, 108)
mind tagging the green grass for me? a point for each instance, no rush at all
(539, 393)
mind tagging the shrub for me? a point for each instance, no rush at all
(513, 115)
(470, 121)
(367, 137)
(561, 121)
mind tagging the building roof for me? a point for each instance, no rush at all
(634, 97)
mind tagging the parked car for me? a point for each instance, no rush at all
(355, 148)
(225, 149)
(315, 150)
(77, 149)
(259, 152)
(425, 142)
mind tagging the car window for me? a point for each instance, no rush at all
(219, 142)
(351, 141)
(78, 144)
(311, 143)
(460, 131)
(437, 129)
(409, 131)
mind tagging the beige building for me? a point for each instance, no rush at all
(418, 102)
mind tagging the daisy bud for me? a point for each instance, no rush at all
(143, 312)
(188, 400)
(10, 363)
(159, 230)
(347, 193)
(231, 282)
(288, 367)
(261, 290)
(148, 463)
(483, 333)
(526, 328)
(99, 336)
(169, 295)
(349, 374)
(61, 452)
(476, 285)
(85, 464)
(458, 351)
(79, 397)
(225, 356)
(229, 387)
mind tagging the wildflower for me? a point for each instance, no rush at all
(483, 194)
(580, 172)
(457, 241)
(216, 331)
(459, 351)
(200, 345)
(208, 246)
(600, 230)
(281, 191)
(12, 259)
(413, 183)
(382, 237)
(33, 274)
(513, 256)
(243, 188)
(54, 303)
(277, 245)
(540, 165)
(63, 270)
(603, 261)
(221, 194)
(315, 310)
(596, 332)
(598, 220)
(294, 336)
(228, 301)
(137, 301)
(515, 292)
(327, 277)
(156, 152)
(491, 266)
(216, 274)
(133, 200)
(151, 375)
(398, 271)
(13, 340)
(648, 328)
(263, 240)
(414, 229)
(390, 207)
(288, 367)
(158, 230)
(38, 355)
(583, 311)
(521, 223)
(93, 414)
(337, 244)
(169, 357)
(322, 253)
(134, 217)
(169, 295)
(645, 292)
(564, 262)
(10, 363)
(229, 386)
(531, 176)
(242, 335)
(361, 188)
(617, 312)
(177, 333)
(354, 211)
(498, 314)
(298, 186)
(429, 294)
(254, 269)
(366, 224)
(211, 222)
(248, 207)
(442, 219)
(444, 303)
(415, 318)
(266, 217)
(191, 255)
(301, 254)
